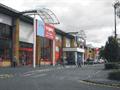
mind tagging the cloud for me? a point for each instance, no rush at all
(99, 35)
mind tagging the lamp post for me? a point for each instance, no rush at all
(116, 6)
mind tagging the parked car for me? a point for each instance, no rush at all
(95, 61)
(101, 61)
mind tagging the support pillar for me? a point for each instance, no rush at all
(72, 43)
(38, 51)
(53, 53)
(83, 58)
(76, 58)
(63, 46)
(64, 41)
(16, 40)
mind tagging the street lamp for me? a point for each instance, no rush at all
(116, 6)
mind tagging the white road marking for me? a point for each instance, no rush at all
(26, 75)
(30, 73)
(40, 75)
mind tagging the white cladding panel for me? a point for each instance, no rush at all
(74, 49)
(26, 32)
(5, 19)
(67, 42)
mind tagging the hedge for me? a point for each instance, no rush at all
(112, 65)
(115, 75)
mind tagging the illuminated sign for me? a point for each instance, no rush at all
(49, 32)
(45, 30)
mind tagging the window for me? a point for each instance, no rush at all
(5, 41)
(46, 49)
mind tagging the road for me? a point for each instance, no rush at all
(69, 78)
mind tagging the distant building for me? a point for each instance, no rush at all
(91, 52)
(76, 50)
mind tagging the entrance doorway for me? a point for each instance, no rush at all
(26, 53)
(46, 51)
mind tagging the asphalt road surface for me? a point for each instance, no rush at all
(53, 79)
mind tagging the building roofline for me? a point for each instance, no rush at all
(58, 31)
(9, 8)
(14, 13)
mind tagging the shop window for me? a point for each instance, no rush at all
(5, 42)
(46, 49)
(26, 53)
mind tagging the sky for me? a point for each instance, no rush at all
(95, 17)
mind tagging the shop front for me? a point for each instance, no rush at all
(6, 40)
(73, 54)
(25, 43)
(46, 44)
(58, 49)
(5, 45)
(46, 51)
(16, 39)
(25, 53)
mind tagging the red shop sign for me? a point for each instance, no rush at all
(49, 31)
(26, 49)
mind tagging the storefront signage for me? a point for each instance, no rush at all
(40, 28)
(49, 32)
(45, 30)
(26, 49)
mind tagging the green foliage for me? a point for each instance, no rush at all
(112, 66)
(111, 50)
(102, 53)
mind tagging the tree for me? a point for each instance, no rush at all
(111, 51)
(102, 53)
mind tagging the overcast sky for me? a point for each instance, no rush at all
(95, 17)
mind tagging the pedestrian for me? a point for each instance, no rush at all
(79, 63)
(63, 61)
(23, 60)
(14, 61)
(79, 60)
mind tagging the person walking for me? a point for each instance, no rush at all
(23, 60)
(79, 60)
(14, 61)
(63, 61)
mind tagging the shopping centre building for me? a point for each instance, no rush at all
(16, 39)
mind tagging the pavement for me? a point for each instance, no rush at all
(97, 76)
(7, 72)
(101, 78)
